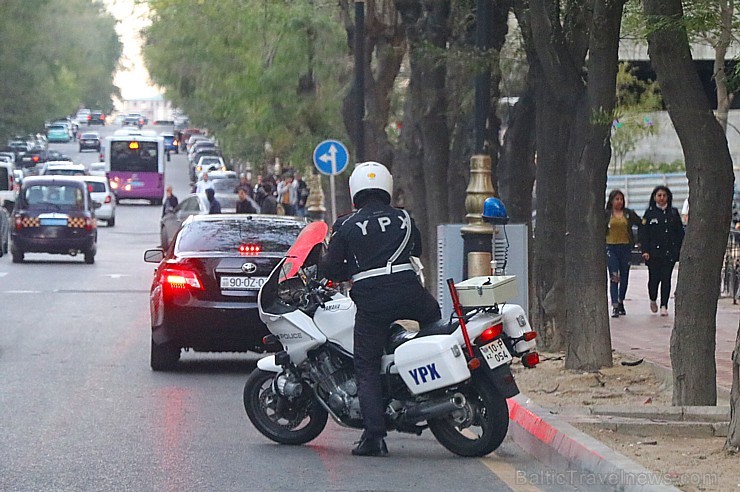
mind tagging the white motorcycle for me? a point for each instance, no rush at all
(452, 377)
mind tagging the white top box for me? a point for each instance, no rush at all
(487, 291)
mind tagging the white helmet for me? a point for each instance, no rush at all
(370, 176)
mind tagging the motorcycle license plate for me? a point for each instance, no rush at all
(495, 353)
(242, 283)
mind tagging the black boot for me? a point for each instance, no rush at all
(622, 312)
(371, 446)
(615, 312)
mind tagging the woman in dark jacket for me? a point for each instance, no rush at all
(619, 243)
(661, 236)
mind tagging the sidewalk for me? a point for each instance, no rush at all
(643, 334)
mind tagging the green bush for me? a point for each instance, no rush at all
(646, 166)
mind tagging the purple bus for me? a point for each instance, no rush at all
(134, 164)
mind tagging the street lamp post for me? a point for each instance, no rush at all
(478, 235)
(360, 78)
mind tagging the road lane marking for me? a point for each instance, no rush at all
(509, 475)
(2, 274)
(21, 292)
(116, 275)
(503, 470)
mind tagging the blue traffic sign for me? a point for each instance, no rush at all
(330, 157)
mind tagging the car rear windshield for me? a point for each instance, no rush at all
(225, 185)
(225, 236)
(4, 179)
(57, 127)
(89, 136)
(54, 197)
(96, 186)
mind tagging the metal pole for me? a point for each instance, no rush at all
(483, 77)
(360, 77)
(478, 235)
(333, 199)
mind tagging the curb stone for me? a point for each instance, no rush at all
(560, 445)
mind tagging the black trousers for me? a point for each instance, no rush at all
(380, 303)
(659, 274)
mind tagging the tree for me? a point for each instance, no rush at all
(709, 171)
(50, 65)
(252, 72)
(632, 122)
(732, 443)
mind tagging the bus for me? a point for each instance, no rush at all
(134, 164)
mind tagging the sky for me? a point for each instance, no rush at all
(132, 78)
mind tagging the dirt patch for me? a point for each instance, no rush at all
(689, 463)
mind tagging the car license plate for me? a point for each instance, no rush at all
(495, 353)
(242, 283)
(137, 184)
(54, 222)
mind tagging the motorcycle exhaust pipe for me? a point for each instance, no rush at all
(434, 409)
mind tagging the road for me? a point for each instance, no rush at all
(81, 409)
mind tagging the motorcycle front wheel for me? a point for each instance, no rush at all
(278, 419)
(477, 429)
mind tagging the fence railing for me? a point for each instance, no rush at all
(731, 268)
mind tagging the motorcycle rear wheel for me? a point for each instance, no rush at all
(482, 430)
(296, 424)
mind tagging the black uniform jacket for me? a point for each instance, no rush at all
(661, 233)
(366, 239)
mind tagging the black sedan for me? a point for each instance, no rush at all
(204, 292)
(90, 140)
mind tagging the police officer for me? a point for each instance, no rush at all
(372, 247)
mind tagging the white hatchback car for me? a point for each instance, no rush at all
(100, 192)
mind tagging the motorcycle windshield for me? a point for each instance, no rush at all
(313, 234)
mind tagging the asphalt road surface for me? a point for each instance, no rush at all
(80, 408)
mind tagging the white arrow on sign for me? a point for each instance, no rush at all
(330, 156)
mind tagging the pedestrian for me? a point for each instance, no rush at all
(203, 184)
(243, 204)
(685, 212)
(287, 195)
(619, 243)
(661, 236)
(214, 204)
(302, 193)
(372, 246)
(170, 202)
(244, 184)
(269, 203)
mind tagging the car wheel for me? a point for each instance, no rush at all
(17, 256)
(163, 238)
(111, 222)
(164, 357)
(89, 257)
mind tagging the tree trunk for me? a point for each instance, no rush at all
(560, 57)
(724, 98)
(426, 118)
(733, 435)
(709, 171)
(589, 343)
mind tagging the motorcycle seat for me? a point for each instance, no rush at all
(399, 335)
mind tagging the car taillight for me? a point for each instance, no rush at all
(489, 334)
(18, 222)
(179, 278)
(89, 223)
(35, 158)
(89, 117)
(114, 185)
(107, 199)
(531, 359)
(249, 249)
